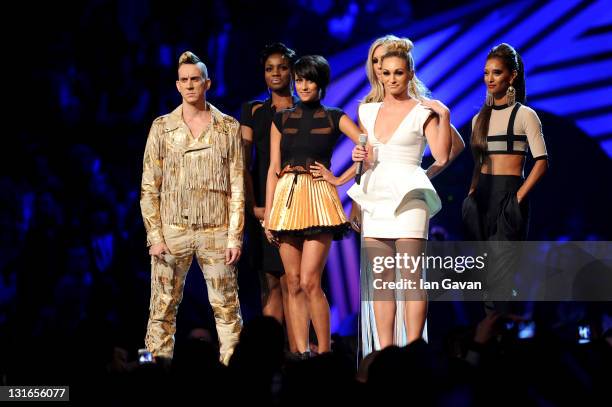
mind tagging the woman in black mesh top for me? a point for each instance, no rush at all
(303, 211)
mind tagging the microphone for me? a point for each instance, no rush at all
(363, 139)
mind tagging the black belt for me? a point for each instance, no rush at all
(297, 170)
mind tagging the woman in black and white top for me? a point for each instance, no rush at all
(503, 132)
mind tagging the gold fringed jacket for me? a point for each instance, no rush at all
(193, 182)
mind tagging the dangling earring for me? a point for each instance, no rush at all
(489, 101)
(511, 95)
(270, 91)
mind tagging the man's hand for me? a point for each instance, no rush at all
(232, 256)
(158, 250)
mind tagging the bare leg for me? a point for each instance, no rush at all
(384, 300)
(416, 303)
(285, 300)
(273, 300)
(297, 313)
(314, 256)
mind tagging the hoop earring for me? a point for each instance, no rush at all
(489, 100)
(511, 95)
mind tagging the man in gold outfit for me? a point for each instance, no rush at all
(192, 203)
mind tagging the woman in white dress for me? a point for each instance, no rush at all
(373, 68)
(395, 193)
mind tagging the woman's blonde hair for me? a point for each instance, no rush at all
(377, 91)
(398, 47)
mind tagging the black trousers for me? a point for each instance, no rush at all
(493, 217)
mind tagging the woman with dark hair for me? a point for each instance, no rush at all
(256, 119)
(303, 210)
(496, 208)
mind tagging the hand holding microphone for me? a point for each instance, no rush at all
(359, 155)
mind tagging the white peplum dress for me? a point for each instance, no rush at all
(397, 200)
(395, 195)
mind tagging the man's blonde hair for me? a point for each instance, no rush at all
(189, 57)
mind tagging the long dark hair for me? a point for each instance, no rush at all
(513, 62)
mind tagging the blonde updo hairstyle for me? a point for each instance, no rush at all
(403, 49)
(377, 92)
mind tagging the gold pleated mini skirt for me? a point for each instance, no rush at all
(304, 206)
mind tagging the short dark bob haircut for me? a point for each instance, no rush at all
(314, 68)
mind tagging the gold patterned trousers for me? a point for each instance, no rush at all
(167, 282)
